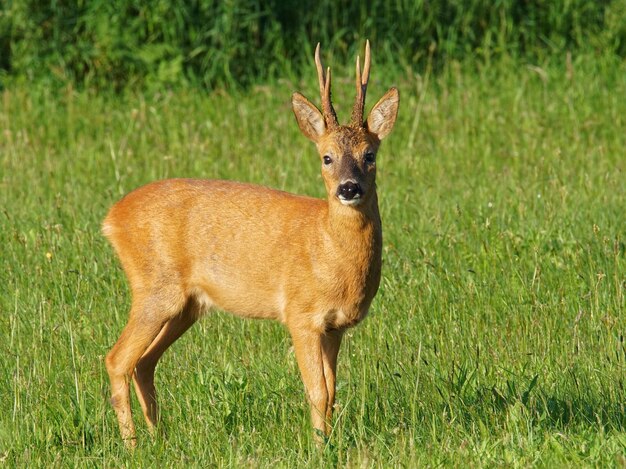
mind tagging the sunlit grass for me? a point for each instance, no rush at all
(497, 337)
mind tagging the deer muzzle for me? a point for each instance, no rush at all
(349, 193)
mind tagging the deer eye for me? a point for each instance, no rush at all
(327, 160)
(370, 157)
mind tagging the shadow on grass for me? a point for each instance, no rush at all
(523, 400)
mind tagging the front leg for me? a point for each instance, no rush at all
(330, 349)
(308, 347)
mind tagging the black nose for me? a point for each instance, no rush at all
(349, 190)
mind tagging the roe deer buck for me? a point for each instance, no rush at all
(187, 245)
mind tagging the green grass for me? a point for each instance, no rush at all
(497, 338)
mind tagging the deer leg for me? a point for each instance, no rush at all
(143, 377)
(330, 349)
(308, 348)
(120, 361)
(147, 317)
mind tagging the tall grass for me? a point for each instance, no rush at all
(121, 43)
(497, 337)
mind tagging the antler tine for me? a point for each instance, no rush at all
(320, 70)
(327, 106)
(366, 66)
(358, 78)
(361, 87)
(327, 91)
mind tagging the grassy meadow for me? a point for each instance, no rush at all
(497, 336)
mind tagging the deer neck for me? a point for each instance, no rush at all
(356, 228)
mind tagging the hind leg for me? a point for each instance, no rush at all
(145, 322)
(143, 376)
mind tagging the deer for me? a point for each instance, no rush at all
(188, 246)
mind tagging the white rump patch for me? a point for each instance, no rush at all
(107, 229)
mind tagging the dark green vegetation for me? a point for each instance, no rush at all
(497, 337)
(121, 43)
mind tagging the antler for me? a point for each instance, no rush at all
(330, 116)
(361, 87)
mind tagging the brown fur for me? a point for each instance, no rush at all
(190, 245)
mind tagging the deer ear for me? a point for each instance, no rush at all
(383, 115)
(310, 119)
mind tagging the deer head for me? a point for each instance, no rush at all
(347, 152)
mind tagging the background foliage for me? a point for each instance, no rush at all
(116, 43)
